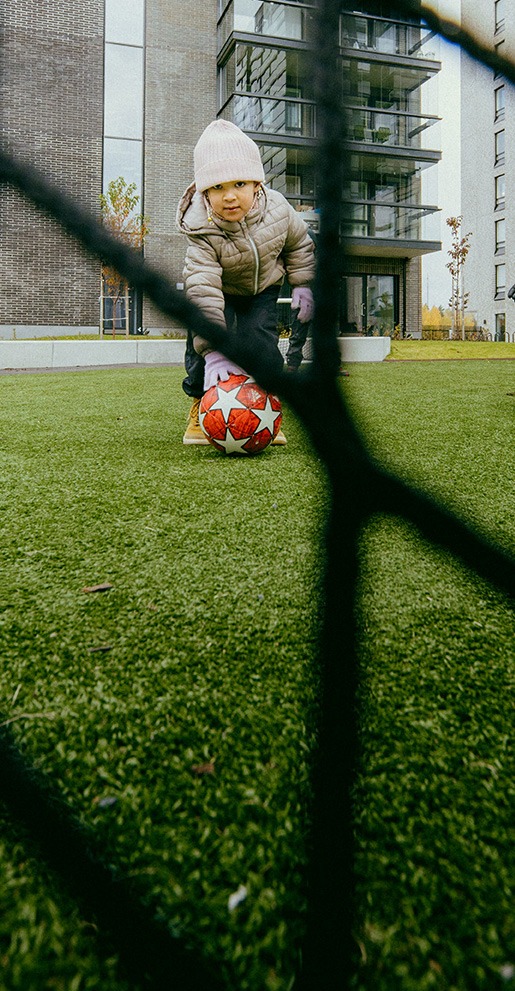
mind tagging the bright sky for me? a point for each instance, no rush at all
(445, 191)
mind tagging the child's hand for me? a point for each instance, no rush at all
(302, 300)
(219, 367)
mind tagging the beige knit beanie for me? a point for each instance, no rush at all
(223, 153)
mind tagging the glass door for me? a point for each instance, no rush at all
(369, 305)
(352, 305)
(380, 305)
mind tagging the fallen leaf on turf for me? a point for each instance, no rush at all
(237, 897)
(208, 768)
(98, 588)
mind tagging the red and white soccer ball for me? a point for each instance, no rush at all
(239, 417)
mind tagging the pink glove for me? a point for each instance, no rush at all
(302, 300)
(219, 367)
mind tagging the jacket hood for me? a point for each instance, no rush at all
(193, 216)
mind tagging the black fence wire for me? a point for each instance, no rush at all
(359, 488)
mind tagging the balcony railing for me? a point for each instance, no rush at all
(269, 115)
(393, 129)
(386, 36)
(369, 219)
(277, 20)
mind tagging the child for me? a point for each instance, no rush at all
(242, 240)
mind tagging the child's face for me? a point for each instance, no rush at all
(232, 200)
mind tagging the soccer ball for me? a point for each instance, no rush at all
(239, 417)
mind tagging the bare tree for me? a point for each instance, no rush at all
(117, 207)
(458, 253)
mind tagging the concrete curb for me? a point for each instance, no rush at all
(84, 354)
(95, 354)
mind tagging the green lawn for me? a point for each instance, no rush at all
(450, 350)
(174, 712)
(210, 636)
(435, 802)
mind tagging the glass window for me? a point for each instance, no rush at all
(500, 281)
(123, 91)
(500, 50)
(124, 21)
(500, 326)
(279, 20)
(500, 236)
(292, 172)
(500, 192)
(123, 158)
(499, 147)
(254, 69)
(499, 15)
(499, 103)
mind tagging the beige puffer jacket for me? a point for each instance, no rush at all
(241, 258)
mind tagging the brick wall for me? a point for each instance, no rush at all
(180, 100)
(52, 102)
(414, 295)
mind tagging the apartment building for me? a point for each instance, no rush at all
(110, 88)
(487, 183)
(266, 88)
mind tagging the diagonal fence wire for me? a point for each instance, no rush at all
(358, 488)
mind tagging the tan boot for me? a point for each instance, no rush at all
(280, 439)
(194, 433)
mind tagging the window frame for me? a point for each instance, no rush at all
(500, 284)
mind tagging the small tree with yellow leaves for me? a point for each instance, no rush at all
(117, 208)
(459, 298)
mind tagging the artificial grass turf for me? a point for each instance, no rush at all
(435, 797)
(90, 497)
(171, 712)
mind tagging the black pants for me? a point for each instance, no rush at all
(297, 340)
(252, 317)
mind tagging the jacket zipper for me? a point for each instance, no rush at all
(256, 256)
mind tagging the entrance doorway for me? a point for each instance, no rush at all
(369, 304)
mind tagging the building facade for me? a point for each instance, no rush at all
(110, 88)
(265, 87)
(92, 91)
(487, 146)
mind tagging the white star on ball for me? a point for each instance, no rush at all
(267, 417)
(231, 445)
(227, 401)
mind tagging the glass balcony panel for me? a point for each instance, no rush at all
(383, 85)
(397, 130)
(390, 222)
(277, 20)
(270, 116)
(385, 36)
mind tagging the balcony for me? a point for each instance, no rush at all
(369, 219)
(289, 21)
(269, 115)
(386, 36)
(391, 129)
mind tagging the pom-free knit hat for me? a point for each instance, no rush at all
(223, 153)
